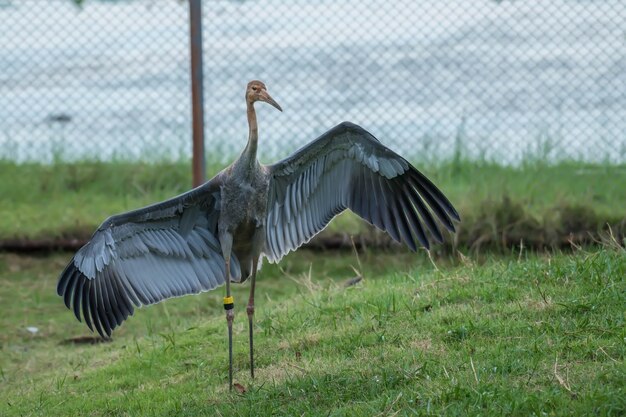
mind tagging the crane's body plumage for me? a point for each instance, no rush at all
(217, 233)
(243, 211)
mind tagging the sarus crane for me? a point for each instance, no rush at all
(217, 233)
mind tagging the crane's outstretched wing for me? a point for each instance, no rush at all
(144, 256)
(347, 167)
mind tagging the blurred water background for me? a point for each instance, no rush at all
(496, 80)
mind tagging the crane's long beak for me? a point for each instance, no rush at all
(264, 96)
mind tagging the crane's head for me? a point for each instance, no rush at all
(257, 91)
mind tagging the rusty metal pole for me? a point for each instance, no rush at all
(197, 91)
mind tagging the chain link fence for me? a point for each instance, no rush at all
(494, 80)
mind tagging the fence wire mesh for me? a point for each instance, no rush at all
(496, 80)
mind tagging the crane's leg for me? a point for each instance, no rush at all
(258, 240)
(250, 310)
(226, 241)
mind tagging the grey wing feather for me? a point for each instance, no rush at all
(145, 256)
(348, 168)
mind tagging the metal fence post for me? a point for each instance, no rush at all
(197, 98)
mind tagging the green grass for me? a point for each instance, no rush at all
(522, 334)
(534, 202)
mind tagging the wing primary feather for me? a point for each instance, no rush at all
(326, 199)
(376, 202)
(69, 290)
(390, 225)
(86, 309)
(293, 233)
(112, 301)
(400, 218)
(356, 192)
(434, 204)
(202, 274)
(354, 186)
(317, 212)
(364, 195)
(103, 294)
(298, 192)
(197, 279)
(217, 276)
(435, 193)
(275, 242)
(187, 276)
(270, 240)
(414, 221)
(78, 294)
(314, 213)
(276, 211)
(169, 283)
(280, 236)
(425, 215)
(121, 298)
(104, 321)
(337, 188)
(137, 284)
(299, 225)
(65, 278)
(125, 287)
(221, 264)
(367, 199)
(329, 189)
(93, 304)
(151, 283)
(287, 205)
(306, 188)
(212, 270)
(388, 195)
(309, 228)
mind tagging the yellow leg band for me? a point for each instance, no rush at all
(229, 303)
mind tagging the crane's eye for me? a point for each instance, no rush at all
(254, 89)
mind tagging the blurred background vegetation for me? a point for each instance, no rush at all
(524, 136)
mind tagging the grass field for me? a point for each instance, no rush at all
(517, 333)
(521, 334)
(540, 204)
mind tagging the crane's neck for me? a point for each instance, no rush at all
(247, 161)
(253, 132)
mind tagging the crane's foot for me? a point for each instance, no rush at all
(230, 315)
(250, 310)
